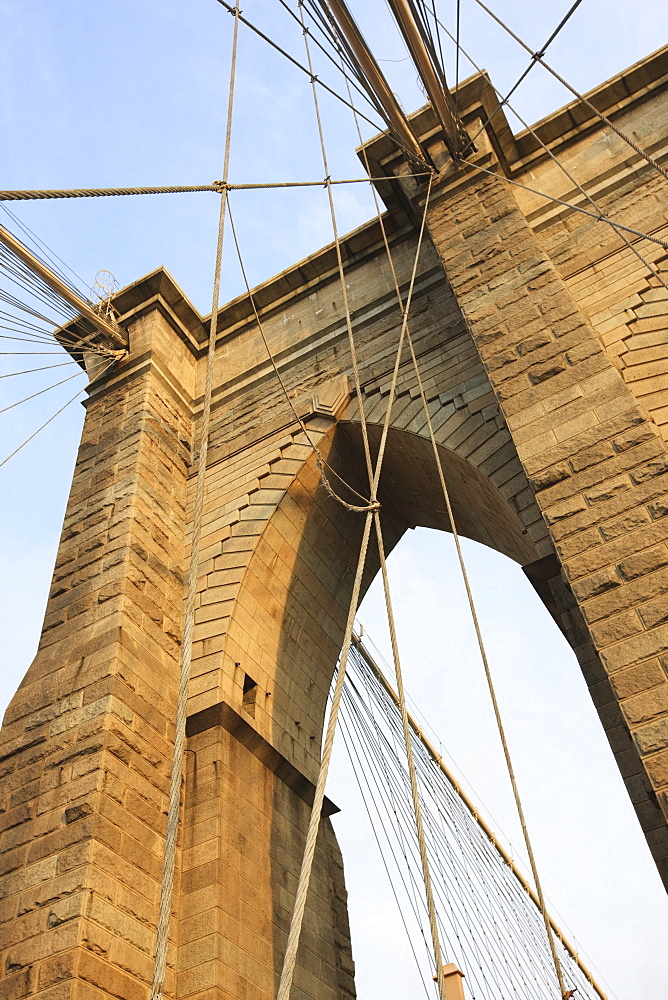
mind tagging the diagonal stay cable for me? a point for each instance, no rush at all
(488, 677)
(597, 216)
(555, 159)
(536, 57)
(290, 956)
(426, 875)
(294, 934)
(48, 256)
(24, 332)
(40, 391)
(387, 745)
(580, 97)
(23, 275)
(494, 868)
(465, 804)
(353, 755)
(442, 855)
(31, 371)
(321, 14)
(23, 337)
(328, 55)
(320, 459)
(299, 65)
(69, 342)
(31, 354)
(415, 793)
(395, 651)
(57, 413)
(18, 322)
(376, 772)
(420, 16)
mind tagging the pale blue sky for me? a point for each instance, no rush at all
(135, 92)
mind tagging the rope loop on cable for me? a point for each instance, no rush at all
(373, 505)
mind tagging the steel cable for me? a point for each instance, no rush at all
(653, 271)
(176, 776)
(323, 465)
(583, 100)
(536, 56)
(290, 956)
(57, 413)
(38, 195)
(510, 902)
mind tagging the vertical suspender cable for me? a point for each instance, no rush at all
(290, 958)
(339, 258)
(169, 861)
(490, 683)
(294, 934)
(424, 858)
(469, 594)
(415, 791)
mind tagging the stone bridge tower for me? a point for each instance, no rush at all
(542, 341)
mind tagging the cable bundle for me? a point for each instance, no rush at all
(489, 925)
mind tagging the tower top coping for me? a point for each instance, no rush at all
(477, 99)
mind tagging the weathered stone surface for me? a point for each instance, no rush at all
(542, 347)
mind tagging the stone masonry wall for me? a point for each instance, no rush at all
(87, 740)
(243, 843)
(542, 346)
(596, 462)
